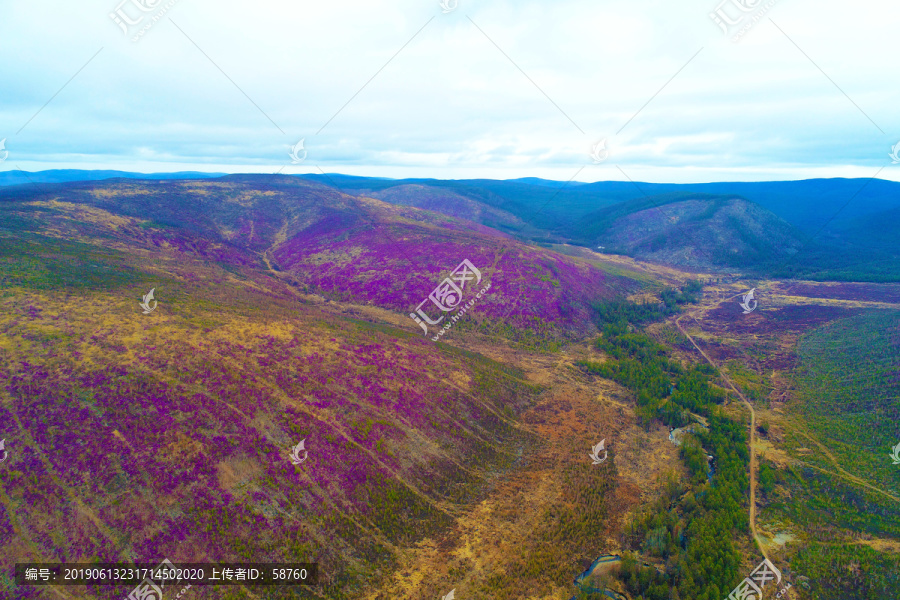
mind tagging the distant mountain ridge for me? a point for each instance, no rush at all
(696, 230)
(842, 227)
(830, 220)
(17, 177)
(806, 204)
(351, 249)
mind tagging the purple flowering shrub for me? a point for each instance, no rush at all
(141, 437)
(169, 443)
(346, 248)
(398, 266)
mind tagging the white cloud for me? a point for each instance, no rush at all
(450, 104)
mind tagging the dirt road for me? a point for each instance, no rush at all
(759, 543)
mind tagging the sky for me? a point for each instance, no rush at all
(583, 90)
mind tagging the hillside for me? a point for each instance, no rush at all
(850, 388)
(449, 203)
(831, 217)
(321, 241)
(844, 223)
(697, 231)
(879, 231)
(280, 314)
(168, 435)
(808, 204)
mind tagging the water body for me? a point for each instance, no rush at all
(602, 560)
(676, 436)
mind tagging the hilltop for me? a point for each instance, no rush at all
(694, 230)
(318, 240)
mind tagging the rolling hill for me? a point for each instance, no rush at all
(832, 217)
(694, 230)
(346, 248)
(808, 204)
(828, 219)
(280, 314)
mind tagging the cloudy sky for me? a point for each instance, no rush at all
(497, 89)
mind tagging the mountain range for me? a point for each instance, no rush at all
(823, 229)
(448, 353)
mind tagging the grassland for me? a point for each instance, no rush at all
(849, 380)
(818, 363)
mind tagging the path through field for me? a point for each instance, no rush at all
(759, 543)
(714, 303)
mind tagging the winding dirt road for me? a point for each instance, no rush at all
(759, 543)
(753, 462)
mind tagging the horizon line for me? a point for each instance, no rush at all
(221, 174)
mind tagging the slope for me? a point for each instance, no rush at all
(168, 434)
(693, 230)
(321, 241)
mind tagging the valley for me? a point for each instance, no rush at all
(284, 315)
(449, 300)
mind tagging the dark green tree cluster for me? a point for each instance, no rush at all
(624, 312)
(664, 389)
(694, 457)
(692, 527)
